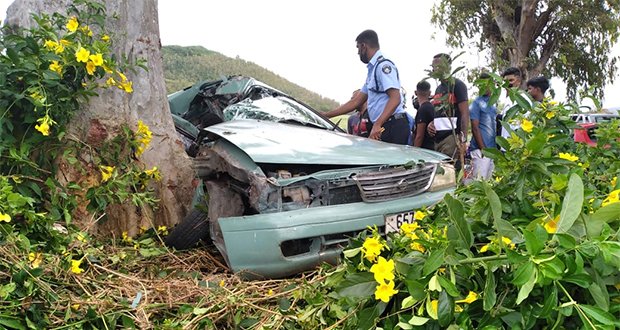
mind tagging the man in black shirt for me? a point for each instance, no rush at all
(452, 111)
(424, 116)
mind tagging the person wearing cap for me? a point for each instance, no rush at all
(382, 91)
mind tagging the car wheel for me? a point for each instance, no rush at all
(189, 231)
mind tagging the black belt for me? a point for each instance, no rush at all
(395, 116)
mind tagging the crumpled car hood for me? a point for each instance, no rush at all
(278, 143)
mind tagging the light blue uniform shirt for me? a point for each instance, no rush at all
(387, 77)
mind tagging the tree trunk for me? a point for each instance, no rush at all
(136, 35)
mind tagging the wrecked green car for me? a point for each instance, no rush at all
(284, 187)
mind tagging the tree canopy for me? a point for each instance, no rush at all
(570, 39)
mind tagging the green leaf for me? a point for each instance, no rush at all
(523, 273)
(449, 286)
(457, 215)
(433, 284)
(566, 241)
(12, 323)
(572, 204)
(600, 295)
(552, 269)
(583, 280)
(525, 290)
(607, 213)
(598, 314)
(367, 317)
(359, 285)
(408, 302)
(445, 309)
(490, 296)
(416, 320)
(433, 262)
(404, 326)
(537, 143)
(551, 300)
(533, 243)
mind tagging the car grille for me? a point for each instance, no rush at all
(395, 182)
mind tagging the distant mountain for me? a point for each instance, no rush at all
(184, 66)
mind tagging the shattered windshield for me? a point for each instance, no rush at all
(275, 109)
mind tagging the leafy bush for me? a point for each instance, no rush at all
(47, 72)
(535, 247)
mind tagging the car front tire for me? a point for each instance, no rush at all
(193, 228)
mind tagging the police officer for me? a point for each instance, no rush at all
(382, 92)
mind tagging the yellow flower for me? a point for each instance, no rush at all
(105, 38)
(73, 24)
(82, 55)
(65, 42)
(485, 248)
(551, 226)
(270, 292)
(123, 77)
(90, 67)
(568, 156)
(408, 228)
(125, 237)
(97, 59)
(50, 44)
(5, 217)
(87, 30)
(385, 291)
(527, 125)
(383, 270)
(162, 230)
(127, 86)
(614, 197)
(44, 127)
(106, 172)
(372, 248)
(222, 283)
(419, 215)
(153, 173)
(553, 103)
(417, 247)
(110, 82)
(471, 297)
(80, 237)
(75, 307)
(75, 266)
(550, 114)
(614, 181)
(35, 259)
(107, 68)
(143, 137)
(56, 67)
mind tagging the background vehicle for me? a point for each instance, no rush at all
(285, 187)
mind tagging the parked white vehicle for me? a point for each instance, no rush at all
(593, 117)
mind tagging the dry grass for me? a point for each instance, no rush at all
(186, 287)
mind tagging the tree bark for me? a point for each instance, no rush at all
(135, 34)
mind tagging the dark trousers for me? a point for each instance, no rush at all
(396, 131)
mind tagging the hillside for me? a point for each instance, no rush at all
(184, 66)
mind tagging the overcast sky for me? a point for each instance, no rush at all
(312, 43)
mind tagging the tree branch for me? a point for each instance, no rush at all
(527, 26)
(547, 50)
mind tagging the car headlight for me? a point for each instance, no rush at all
(445, 177)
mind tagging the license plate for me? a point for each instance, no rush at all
(394, 221)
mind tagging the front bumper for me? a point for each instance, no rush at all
(259, 246)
